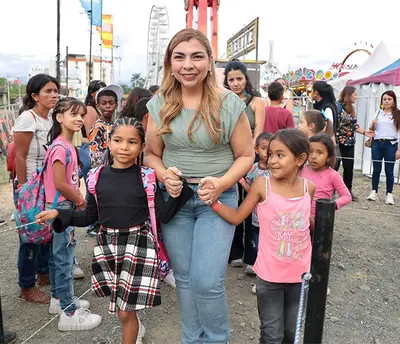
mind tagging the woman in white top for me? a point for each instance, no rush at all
(385, 144)
(30, 139)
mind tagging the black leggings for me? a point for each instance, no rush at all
(347, 154)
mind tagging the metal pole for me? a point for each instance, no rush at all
(257, 76)
(112, 64)
(58, 71)
(320, 262)
(90, 48)
(101, 56)
(1, 325)
(66, 70)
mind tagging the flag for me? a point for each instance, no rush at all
(97, 8)
(106, 31)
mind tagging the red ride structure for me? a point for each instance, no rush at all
(202, 6)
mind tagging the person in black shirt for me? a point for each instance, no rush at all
(125, 264)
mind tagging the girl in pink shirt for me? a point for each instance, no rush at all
(283, 202)
(319, 170)
(61, 184)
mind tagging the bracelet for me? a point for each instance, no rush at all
(216, 206)
(80, 202)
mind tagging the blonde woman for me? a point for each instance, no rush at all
(196, 130)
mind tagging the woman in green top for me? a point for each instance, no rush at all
(197, 129)
(237, 80)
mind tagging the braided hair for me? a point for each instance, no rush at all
(127, 121)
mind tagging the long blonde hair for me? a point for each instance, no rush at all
(208, 111)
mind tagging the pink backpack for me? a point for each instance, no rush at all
(150, 186)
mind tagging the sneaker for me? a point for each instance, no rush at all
(55, 307)
(254, 289)
(237, 263)
(81, 320)
(77, 272)
(170, 279)
(141, 333)
(249, 270)
(389, 199)
(9, 337)
(34, 295)
(372, 196)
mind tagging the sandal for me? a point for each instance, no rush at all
(34, 295)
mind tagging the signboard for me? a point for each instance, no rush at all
(243, 42)
(34, 70)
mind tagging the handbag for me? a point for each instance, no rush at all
(368, 143)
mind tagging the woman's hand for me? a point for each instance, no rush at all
(398, 154)
(46, 215)
(82, 205)
(210, 190)
(369, 133)
(172, 181)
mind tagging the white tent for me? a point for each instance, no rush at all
(379, 59)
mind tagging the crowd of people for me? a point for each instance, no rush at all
(235, 182)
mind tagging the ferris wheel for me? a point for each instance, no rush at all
(157, 41)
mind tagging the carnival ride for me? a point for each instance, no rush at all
(201, 22)
(271, 71)
(157, 42)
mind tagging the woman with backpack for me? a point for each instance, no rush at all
(237, 80)
(30, 139)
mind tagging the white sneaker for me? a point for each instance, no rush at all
(81, 320)
(141, 333)
(389, 199)
(372, 196)
(249, 270)
(237, 263)
(77, 272)
(254, 289)
(55, 307)
(170, 279)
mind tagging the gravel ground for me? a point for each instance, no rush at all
(363, 307)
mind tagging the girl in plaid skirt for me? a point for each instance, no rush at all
(125, 264)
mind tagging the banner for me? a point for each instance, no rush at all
(106, 31)
(97, 7)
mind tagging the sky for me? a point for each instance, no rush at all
(308, 33)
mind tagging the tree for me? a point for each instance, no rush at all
(126, 88)
(137, 80)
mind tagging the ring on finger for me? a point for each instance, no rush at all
(209, 202)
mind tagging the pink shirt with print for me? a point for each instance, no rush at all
(59, 153)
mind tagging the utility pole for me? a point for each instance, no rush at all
(112, 61)
(58, 71)
(90, 48)
(66, 70)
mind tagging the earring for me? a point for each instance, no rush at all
(382, 106)
(172, 74)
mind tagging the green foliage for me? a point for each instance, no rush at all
(137, 80)
(126, 88)
(14, 89)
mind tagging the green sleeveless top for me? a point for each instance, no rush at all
(199, 157)
(251, 115)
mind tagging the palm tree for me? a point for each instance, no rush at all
(137, 80)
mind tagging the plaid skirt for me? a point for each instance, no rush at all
(125, 267)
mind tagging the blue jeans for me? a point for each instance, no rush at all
(198, 242)
(84, 157)
(383, 150)
(61, 264)
(32, 258)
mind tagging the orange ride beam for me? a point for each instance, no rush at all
(202, 6)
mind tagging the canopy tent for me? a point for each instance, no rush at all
(394, 65)
(389, 75)
(379, 59)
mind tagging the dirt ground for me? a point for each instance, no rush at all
(363, 307)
